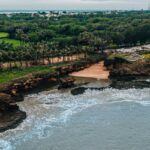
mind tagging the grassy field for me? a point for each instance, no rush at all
(121, 55)
(3, 35)
(15, 43)
(6, 76)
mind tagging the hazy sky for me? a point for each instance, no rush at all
(74, 4)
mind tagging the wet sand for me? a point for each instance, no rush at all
(96, 71)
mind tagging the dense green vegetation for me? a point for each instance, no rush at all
(34, 37)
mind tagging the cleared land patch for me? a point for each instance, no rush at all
(3, 35)
(15, 43)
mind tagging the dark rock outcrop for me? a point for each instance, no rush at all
(125, 83)
(10, 119)
(81, 90)
(66, 83)
(121, 67)
(10, 115)
(78, 91)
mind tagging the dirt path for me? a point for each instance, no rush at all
(97, 71)
(53, 60)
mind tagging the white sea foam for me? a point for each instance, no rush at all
(49, 110)
(5, 145)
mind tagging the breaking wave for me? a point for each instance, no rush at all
(52, 109)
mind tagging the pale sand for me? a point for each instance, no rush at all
(97, 71)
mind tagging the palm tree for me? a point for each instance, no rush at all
(1, 60)
(99, 44)
(10, 58)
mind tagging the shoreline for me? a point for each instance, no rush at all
(14, 91)
(118, 69)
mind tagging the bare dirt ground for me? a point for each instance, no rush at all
(96, 71)
(43, 62)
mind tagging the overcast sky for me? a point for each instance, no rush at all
(74, 4)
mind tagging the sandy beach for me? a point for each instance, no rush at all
(96, 71)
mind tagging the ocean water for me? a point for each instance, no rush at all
(110, 119)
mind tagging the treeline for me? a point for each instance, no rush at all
(41, 37)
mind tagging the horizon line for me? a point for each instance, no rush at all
(72, 9)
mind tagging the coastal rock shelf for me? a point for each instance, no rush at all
(128, 64)
(10, 115)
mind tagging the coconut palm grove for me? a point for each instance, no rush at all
(27, 38)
